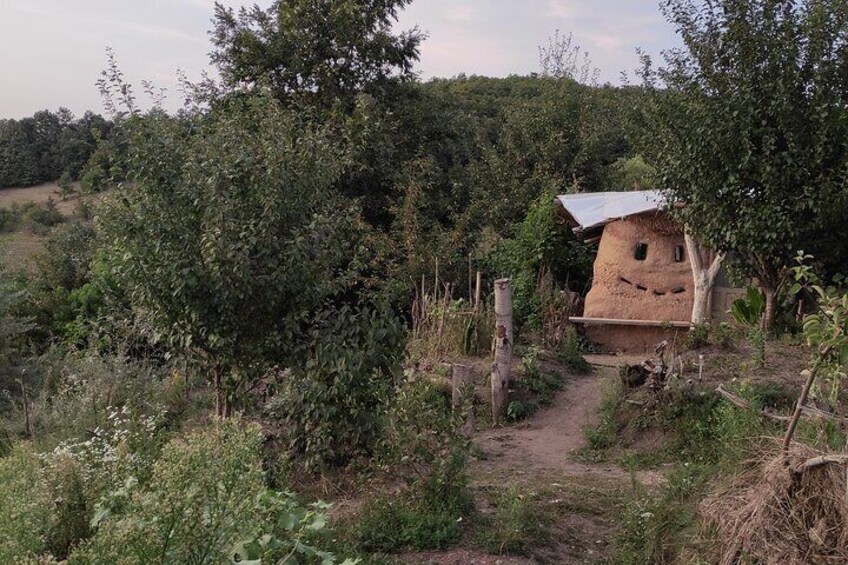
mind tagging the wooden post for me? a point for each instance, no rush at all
(463, 396)
(503, 348)
(27, 416)
(477, 290)
(436, 282)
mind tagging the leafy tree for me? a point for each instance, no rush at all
(42, 147)
(326, 51)
(230, 237)
(750, 133)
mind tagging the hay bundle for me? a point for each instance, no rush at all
(783, 514)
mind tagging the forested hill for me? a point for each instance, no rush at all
(46, 145)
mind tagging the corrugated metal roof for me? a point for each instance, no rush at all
(595, 209)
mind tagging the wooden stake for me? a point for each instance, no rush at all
(799, 407)
(503, 348)
(27, 416)
(477, 291)
(463, 396)
(436, 283)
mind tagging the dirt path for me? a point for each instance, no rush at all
(535, 460)
(547, 442)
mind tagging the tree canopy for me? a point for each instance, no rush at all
(747, 125)
(322, 50)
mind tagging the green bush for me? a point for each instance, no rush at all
(40, 218)
(24, 505)
(572, 350)
(201, 501)
(421, 445)
(541, 243)
(394, 525)
(332, 403)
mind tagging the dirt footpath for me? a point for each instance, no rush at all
(547, 442)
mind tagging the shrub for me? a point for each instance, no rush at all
(38, 218)
(64, 184)
(200, 502)
(571, 352)
(421, 444)
(24, 505)
(332, 403)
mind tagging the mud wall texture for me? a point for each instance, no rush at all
(641, 272)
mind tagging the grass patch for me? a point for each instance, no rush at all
(600, 438)
(517, 526)
(535, 389)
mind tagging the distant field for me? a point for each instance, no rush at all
(40, 194)
(19, 248)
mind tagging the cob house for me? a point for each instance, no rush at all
(644, 284)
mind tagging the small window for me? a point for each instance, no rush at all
(678, 254)
(641, 251)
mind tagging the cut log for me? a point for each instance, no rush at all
(503, 348)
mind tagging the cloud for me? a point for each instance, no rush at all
(563, 9)
(460, 13)
(607, 42)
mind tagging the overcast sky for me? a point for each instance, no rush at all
(52, 51)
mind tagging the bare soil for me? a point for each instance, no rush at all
(536, 457)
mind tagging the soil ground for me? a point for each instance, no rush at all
(536, 458)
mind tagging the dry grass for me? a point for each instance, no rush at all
(39, 194)
(775, 514)
(19, 249)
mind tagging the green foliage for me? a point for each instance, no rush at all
(656, 527)
(299, 48)
(536, 387)
(230, 238)
(604, 435)
(34, 217)
(571, 352)
(632, 173)
(202, 499)
(24, 505)
(64, 184)
(541, 243)
(749, 311)
(46, 145)
(421, 445)
(516, 526)
(749, 132)
(293, 527)
(331, 401)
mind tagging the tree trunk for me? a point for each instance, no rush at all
(503, 348)
(703, 279)
(477, 291)
(770, 307)
(27, 415)
(220, 400)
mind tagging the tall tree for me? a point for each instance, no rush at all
(326, 51)
(750, 132)
(230, 237)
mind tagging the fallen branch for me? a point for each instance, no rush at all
(745, 405)
(821, 460)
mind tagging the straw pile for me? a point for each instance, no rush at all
(786, 514)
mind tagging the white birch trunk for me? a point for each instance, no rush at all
(703, 279)
(503, 348)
